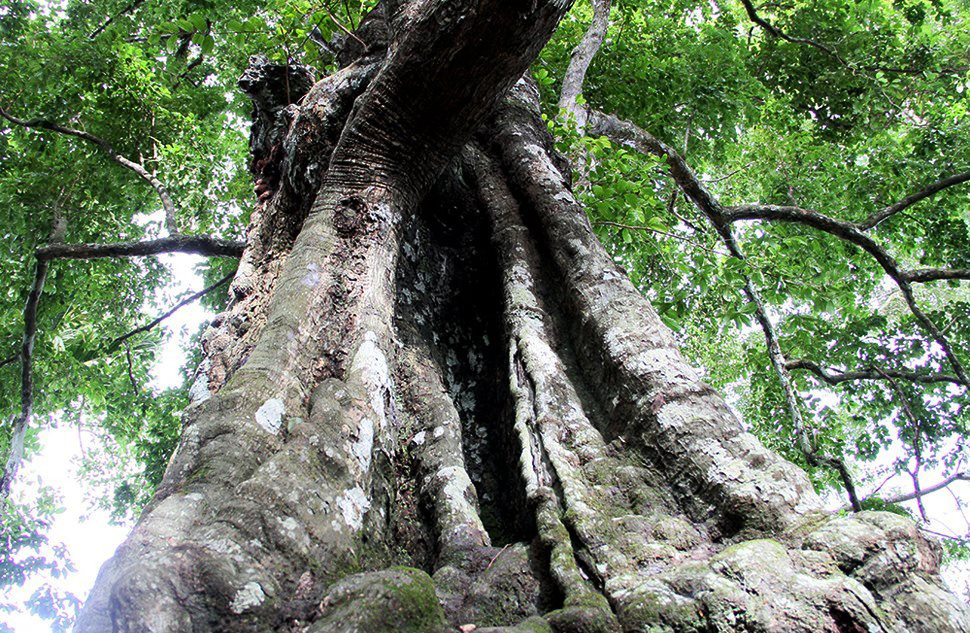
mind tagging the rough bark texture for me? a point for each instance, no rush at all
(436, 401)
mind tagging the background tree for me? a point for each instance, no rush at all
(389, 302)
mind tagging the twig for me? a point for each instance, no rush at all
(963, 540)
(634, 227)
(917, 452)
(344, 28)
(494, 558)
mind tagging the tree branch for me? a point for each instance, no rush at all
(962, 475)
(630, 135)
(128, 9)
(634, 227)
(582, 56)
(137, 168)
(778, 363)
(917, 451)
(912, 199)
(776, 32)
(19, 428)
(921, 275)
(834, 378)
(851, 233)
(183, 244)
(909, 496)
(184, 302)
(199, 245)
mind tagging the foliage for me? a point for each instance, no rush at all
(760, 119)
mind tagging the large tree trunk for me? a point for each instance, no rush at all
(435, 400)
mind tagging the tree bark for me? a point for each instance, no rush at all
(436, 401)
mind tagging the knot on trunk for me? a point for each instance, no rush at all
(353, 217)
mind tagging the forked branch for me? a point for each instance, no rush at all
(44, 255)
(851, 233)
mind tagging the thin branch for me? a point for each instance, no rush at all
(199, 245)
(834, 378)
(776, 32)
(137, 168)
(962, 540)
(778, 363)
(634, 227)
(131, 370)
(184, 302)
(128, 9)
(737, 171)
(963, 475)
(917, 451)
(344, 28)
(912, 199)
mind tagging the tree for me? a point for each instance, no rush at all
(435, 398)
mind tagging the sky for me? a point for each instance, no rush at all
(91, 538)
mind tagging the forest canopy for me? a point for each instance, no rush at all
(785, 181)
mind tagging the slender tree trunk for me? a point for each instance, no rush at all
(436, 401)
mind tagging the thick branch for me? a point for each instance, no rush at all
(935, 274)
(582, 56)
(912, 199)
(198, 245)
(137, 168)
(834, 378)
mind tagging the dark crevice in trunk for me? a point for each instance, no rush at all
(448, 297)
